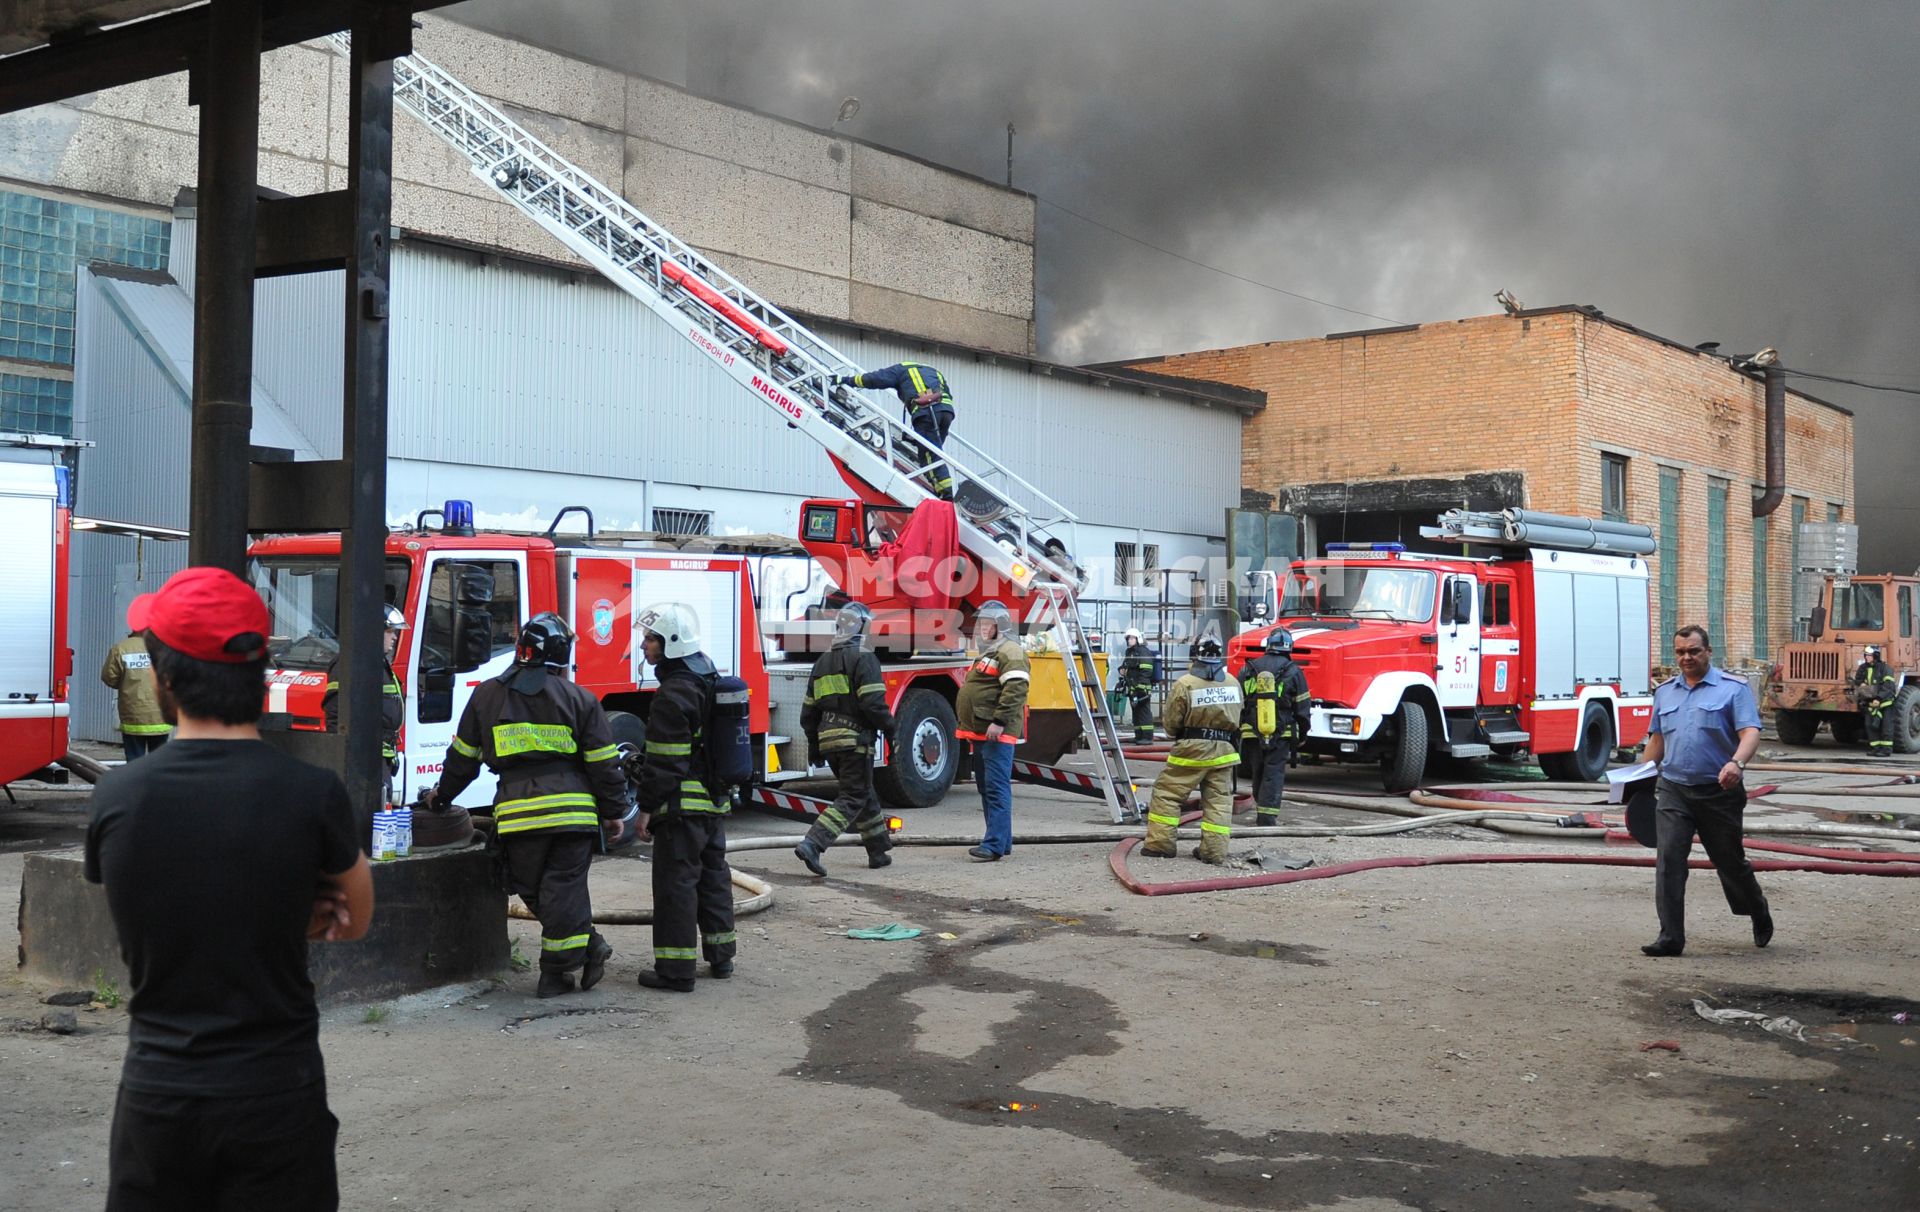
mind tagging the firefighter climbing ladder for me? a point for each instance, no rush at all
(1002, 518)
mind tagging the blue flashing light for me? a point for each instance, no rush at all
(458, 517)
(1366, 547)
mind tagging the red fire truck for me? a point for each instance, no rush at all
(35, 662)
(465, 594)
(1407, 655)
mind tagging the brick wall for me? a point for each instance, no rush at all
(1546, 395)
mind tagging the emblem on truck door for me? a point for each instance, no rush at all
(603, 622)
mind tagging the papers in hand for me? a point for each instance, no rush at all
(1620, 782)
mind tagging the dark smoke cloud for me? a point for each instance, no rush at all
(1741, 172)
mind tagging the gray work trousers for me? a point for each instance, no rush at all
(1713, 812)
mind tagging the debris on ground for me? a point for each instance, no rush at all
(60, 1022)
(1660, 1045)
(1269, 861)
(892, 932)
(68, 997)
(1779, 1025)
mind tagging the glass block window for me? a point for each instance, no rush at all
(31, 405)
(43, 242)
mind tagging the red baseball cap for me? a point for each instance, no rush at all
(206, 613)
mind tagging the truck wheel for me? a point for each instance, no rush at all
(1797, 727)
(1848, 728)
(919, 773)
(1906, 720)
(629, 730)
(1588, 762)
(1406, 758)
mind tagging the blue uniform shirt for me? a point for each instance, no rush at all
(1701, 725)
(907, 380)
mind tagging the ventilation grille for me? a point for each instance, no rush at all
(683, 521)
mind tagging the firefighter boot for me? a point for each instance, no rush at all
(553, 984)
(808, 852)
(1262, 817)
(650, 978)
(877, 859)
(599, 951)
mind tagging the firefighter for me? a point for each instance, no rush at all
(692, 885)
(1874, 686)
(393, 698)
(992, 709)
(560, 784)
(1139, 670)
(1273, 719)
(128, 670)
(928, 402)
(1202, 716)
(846, 703)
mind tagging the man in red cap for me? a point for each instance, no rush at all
(221, 857)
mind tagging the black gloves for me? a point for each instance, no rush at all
(839, 380)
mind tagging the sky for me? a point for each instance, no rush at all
(1717, 171)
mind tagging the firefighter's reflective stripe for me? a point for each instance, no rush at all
(1158, 819)
(867, 688)
(1225, 759)
(830, 683)
(562, 810)
(676, 953)
(569, 943)
(146, 729)
(670, 748)
(1210, 827)
(606, 753)
(463, 749)
(694, 798)
(510, 740)
(716, 940)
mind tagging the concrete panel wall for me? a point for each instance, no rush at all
(815, 222)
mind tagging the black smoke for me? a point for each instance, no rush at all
(1740, 172)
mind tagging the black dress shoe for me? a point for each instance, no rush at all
(1661, 947)
(1762, 928)
(651, 979)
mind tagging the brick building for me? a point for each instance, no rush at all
(1367, 435)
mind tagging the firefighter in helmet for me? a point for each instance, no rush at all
(928, 402)
(1273, 721)
(846, 703)
(1202, 716)
(561, 784)
(682, 808)
(393, 698)
(1874, 688)
(1139, 670)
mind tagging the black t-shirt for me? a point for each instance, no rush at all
(210, 852)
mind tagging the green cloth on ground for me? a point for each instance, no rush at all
(892, 932)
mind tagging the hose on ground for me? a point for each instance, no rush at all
(1426, 802)
(82, 765)
(759, 897)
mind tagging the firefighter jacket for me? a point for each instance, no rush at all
(673, 772)
(393, 707)
(1138, 667)
(1202, 716)
(846, 701)
(1874, 683)
(995, 692)
(129, 670)
(558, 766)
(1291, 712)
(908, 380)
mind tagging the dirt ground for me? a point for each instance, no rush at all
(1450, 1037)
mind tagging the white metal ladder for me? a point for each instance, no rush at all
(1003, 519)
(1090, 698)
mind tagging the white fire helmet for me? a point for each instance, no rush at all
(1133, 635)
(676, 625)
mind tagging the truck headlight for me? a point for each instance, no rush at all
(1344, 725)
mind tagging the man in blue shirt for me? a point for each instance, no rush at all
(924, 393)
(1706, 726)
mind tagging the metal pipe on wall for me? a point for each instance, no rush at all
(1776, 395)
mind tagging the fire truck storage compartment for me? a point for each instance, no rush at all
(27, 591)
(1599, 601)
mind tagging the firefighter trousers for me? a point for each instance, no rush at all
(932, 423)
(1170, 792)
(548, 870)
(1267, 769)
(692, 893)
(1880, 729)
(1142, 717)
(856, 807)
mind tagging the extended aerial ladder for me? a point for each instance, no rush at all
(1002, 519)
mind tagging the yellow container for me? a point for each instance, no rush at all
(1049, 690)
